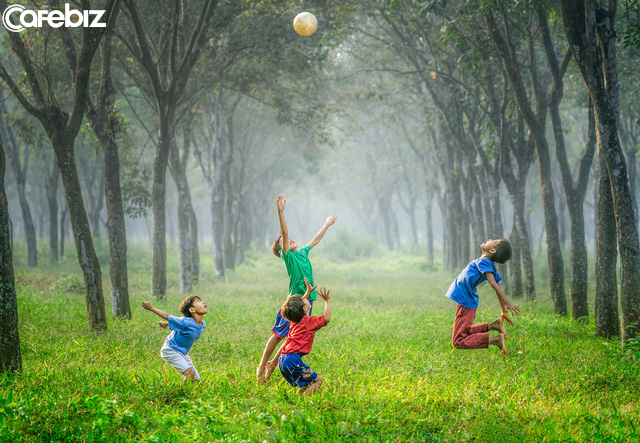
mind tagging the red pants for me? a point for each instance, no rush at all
(466, 335)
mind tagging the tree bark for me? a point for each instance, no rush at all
(606, 302)
(10, 356)
(63, 146)
(52, 199)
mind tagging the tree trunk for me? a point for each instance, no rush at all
(10, 356)
(428, 217)
(159, 239)
(184, 220)
(63, 146)
(606, 303)
(20, 175)
(554, 251)
(52, 199)
(515, 269)
(63, 229)
(591, 34)
(195, 251)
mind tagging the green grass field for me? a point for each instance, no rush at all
(390, 371)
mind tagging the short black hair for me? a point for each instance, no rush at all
(187, 303)
(293, 309)
(503, 251)
(275, 247)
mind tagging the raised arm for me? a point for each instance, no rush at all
(502, 298)
(324, 293)
(309, 288)
(330, 220)
(283, 225)
(161, 314)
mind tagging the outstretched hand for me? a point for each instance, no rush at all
(506, 318)
(163, 324)
(324, 293)
(147, 305)
(280, 203)
(310, 288)
(330, 220)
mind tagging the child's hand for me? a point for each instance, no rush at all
(163, 324)
(330, 220)
(280, 203)
(324, 293)
(309, 288)
(147, 305)
(506, 318)
(512, 308)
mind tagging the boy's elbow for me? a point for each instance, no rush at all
(327, 320)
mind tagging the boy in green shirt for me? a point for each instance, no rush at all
(298, 267)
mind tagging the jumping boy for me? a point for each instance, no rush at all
(466, 335)
(297, 310)
(298, 268)
(184, 332)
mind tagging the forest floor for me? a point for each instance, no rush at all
(390, 371)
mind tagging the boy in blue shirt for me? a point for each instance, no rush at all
(466, 335)
(298, 268)
(184, 332)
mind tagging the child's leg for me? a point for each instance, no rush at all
(280, 330)
(192, 372)
(498, 325)
(466, 335)
(266, 354)
(498, 341)
(182, 363)
(311, 387)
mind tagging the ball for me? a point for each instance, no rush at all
(305, 24)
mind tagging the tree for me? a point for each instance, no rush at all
(10, 356)
(62, 129)
(590, 29)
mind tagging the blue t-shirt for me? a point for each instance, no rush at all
(463, 288)
(185, 332)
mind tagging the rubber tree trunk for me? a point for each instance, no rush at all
(20, 175)
(159, 206)
(87, 257)
(10, 356)
(606, 302)
(515, 268)
(554, 251)
(52, 201)
(591, 34)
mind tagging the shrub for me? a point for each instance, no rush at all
(70, 284)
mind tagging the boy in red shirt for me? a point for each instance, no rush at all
(300, 339)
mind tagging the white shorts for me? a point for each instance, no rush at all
(178, 360)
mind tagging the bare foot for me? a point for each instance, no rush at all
(260, 374)
(498, 325)
(500, 344)
(269, 370)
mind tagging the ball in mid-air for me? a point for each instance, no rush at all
(305, 24)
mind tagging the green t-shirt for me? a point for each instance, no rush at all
(299, 267)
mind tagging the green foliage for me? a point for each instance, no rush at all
(348, 246)
(70, 284)
(390, 371)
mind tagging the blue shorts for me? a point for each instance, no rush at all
(281, 325)
(294, 371)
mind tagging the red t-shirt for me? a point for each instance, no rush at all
(300, 337)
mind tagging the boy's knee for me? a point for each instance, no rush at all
(457, 342)
(318, 380)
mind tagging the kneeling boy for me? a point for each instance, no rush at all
(300, 339)
(184, 332)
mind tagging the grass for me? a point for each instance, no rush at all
(390, 371)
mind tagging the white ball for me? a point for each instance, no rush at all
(305, 24)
